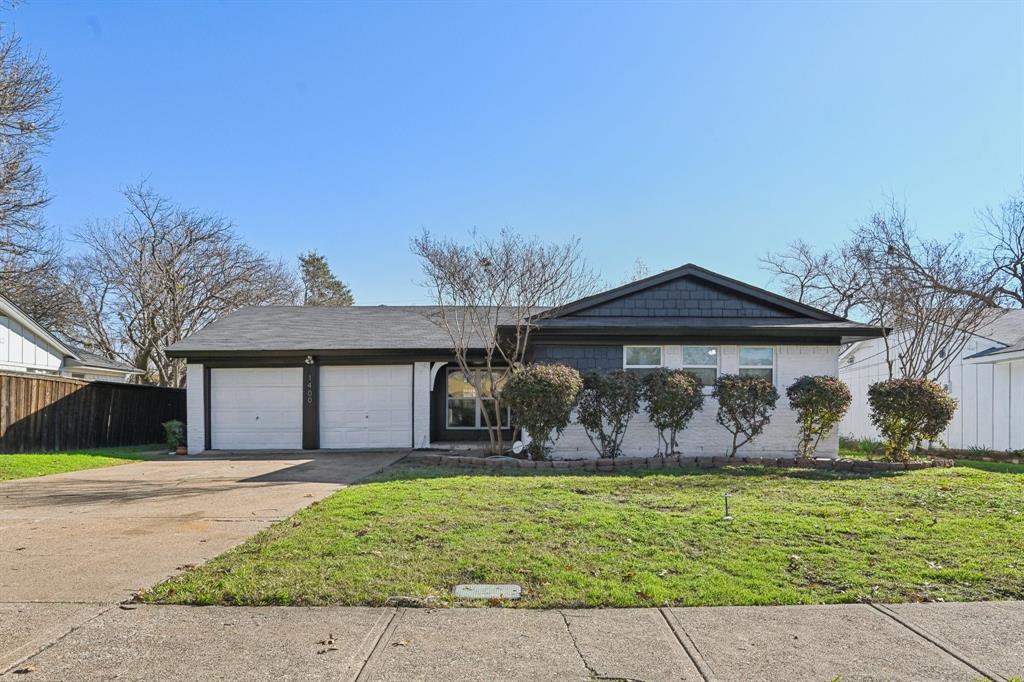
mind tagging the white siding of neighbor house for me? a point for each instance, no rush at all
(21, 350)
(991, 397)
(704, 436)
(195, 413)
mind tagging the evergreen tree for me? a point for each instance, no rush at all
(319, 285)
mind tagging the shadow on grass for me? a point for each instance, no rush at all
(403, 471)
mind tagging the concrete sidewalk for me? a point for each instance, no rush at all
(855, 642)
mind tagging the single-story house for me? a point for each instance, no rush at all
(986, 377)
(290, 377)
(25, 346)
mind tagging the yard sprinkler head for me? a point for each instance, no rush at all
(728, 516)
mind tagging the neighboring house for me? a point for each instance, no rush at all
(26, 347)
(362, 377)
(987, 378)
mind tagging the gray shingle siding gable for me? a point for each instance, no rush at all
(682, 298)
(585, 358)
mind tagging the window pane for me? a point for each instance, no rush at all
(462, 412)
(643, 355)
(763, 373)
(700, 355)
(488, 405)
(706, 375)
(485, 382)
(756, 356)
(459, 387)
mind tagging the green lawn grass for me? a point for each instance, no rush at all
(26, 465)
(636, 538)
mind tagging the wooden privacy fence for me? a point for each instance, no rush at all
(39, 413)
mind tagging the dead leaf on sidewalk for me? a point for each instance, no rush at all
(330, 648)
(24, 670)
(126, 607)
(401, 642)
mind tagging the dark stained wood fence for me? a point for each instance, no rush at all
(40, 414)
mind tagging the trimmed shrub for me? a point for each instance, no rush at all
(542, 397)
(745, 404)
(672, 397)
(820, 403)
(607, 403)
(908, 411)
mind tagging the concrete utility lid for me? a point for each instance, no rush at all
(488, 591)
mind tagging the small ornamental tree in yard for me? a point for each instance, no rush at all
(745, 404)
(606, 404)
(542, 397)
(907, 411)
(820, 403)
(672, 398)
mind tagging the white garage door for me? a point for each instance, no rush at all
(366, 406)
(256, 409)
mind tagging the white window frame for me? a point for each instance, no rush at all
(480, 424)
(661, 355)
(718, 360)
(774, 365)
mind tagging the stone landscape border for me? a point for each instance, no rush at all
(853, 465)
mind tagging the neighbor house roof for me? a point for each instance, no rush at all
(73, 355)
(87, 359)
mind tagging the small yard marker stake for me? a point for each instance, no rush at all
(727, 517)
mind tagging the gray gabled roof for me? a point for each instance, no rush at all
(268, 330)
(308, 329)
(699, 273)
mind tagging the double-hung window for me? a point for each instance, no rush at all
(465, 409)
(702, 361)
(757, 361)
(641, 357)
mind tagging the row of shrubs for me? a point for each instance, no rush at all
(543, 398)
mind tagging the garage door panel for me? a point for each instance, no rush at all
(256, 408)
(365, 406)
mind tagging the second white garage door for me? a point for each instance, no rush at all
(366, 406)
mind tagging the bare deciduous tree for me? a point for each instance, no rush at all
(161, 273)
(1005, 231)
(932, 294)
(29, 250)
(488, 293)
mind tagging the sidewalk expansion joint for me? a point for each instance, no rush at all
(937, 641)
(41, 644)
(381, 641)
(688, 645)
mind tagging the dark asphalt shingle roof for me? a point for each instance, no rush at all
(88, 358)
(320, 328)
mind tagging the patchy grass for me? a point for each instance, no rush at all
(26, 465)
(636, 539)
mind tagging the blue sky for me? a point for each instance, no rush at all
(706, 133)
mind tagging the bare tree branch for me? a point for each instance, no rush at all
(487, 283)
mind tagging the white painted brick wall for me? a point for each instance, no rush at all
(195, 415)
(704, 436)
(421, 405)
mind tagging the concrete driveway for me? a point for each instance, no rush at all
(99, 535)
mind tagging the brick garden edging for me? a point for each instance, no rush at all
(854, 465)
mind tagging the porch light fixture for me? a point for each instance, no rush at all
(309, 359)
